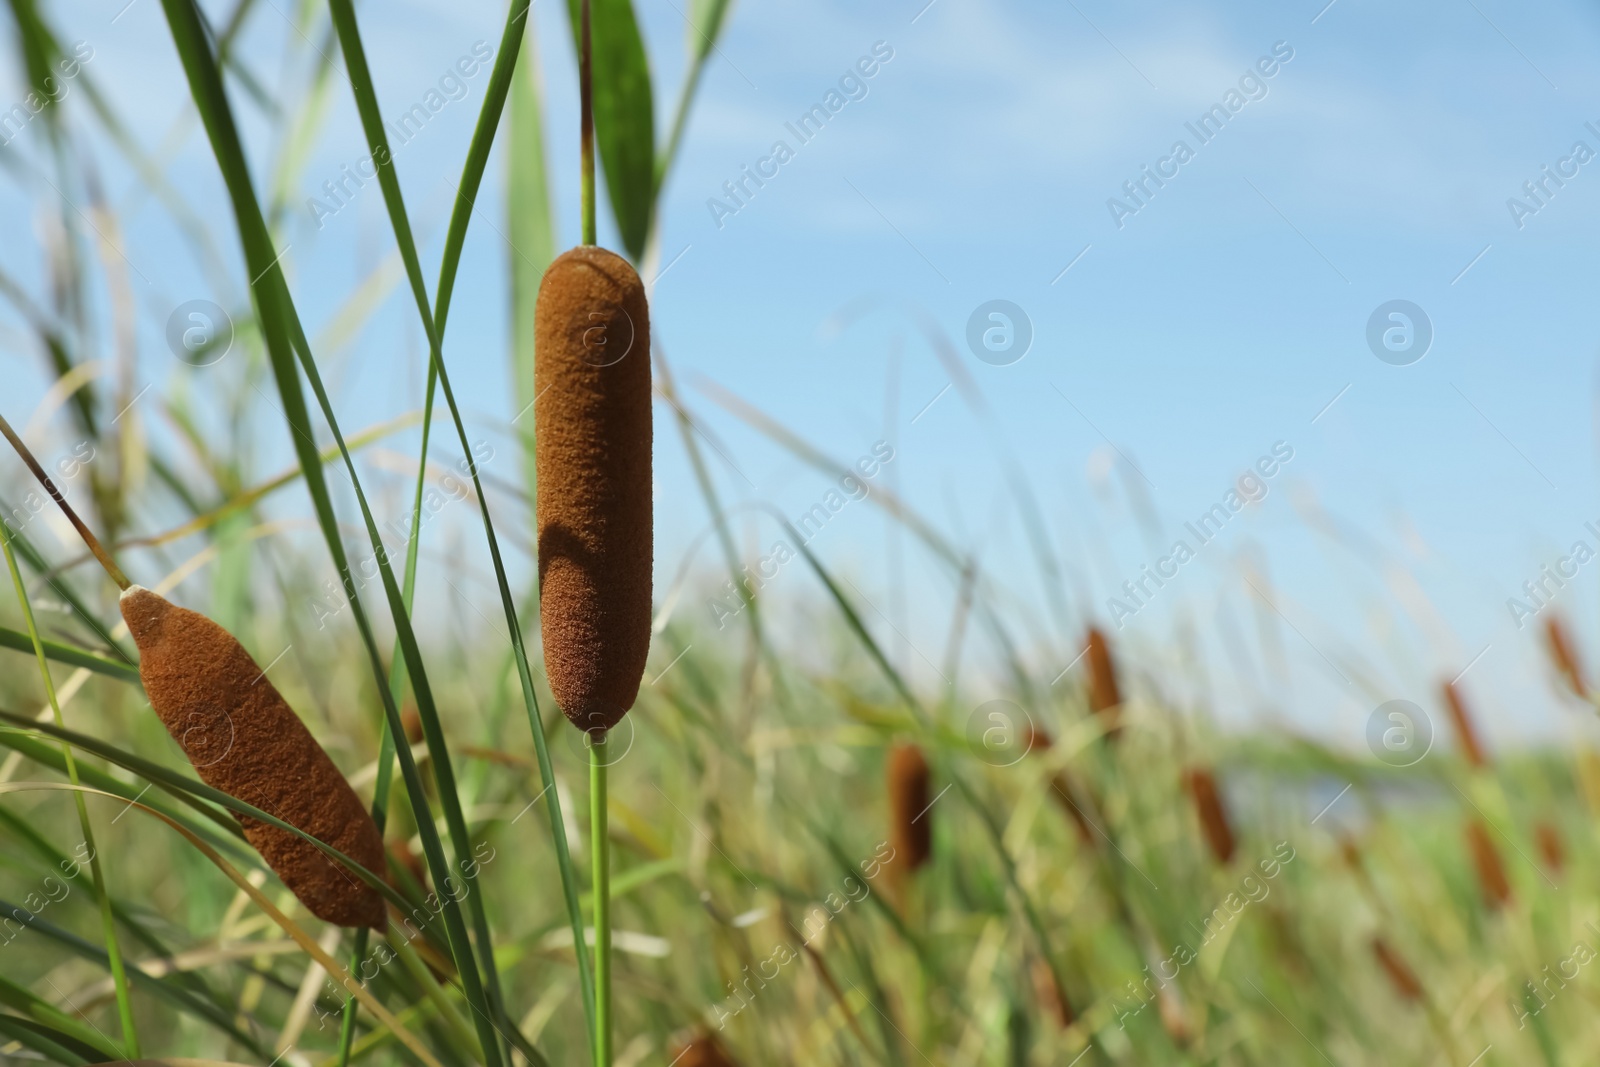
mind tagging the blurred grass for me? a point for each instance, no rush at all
(753, 898)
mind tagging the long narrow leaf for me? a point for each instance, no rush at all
(624, 116)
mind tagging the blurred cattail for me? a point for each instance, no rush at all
(244, 739)
(1563, 654)
(701, 1051)
(411, 723)
(1466, 733)
(1061, 785)
(1105, 697)
(1286, 939)
(1551, 848)
(592, 406)
(1208, 805)
(1049, 994)
(406, 858)
(910, 827)
(1488, 865)
(1401, 976)
(1589, 776)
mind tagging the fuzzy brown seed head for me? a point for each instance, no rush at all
(910, 823)
(1049, 995)
(1564, 654)
(1105, 696)
(1551, 848)
(1466, 733)
(1213, 814)
(1486, 861)
(592, 410)
(1401, 976)
(244, 739)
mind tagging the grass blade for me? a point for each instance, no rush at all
(434, 323)
(130, 1038)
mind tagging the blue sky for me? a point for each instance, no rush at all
(1219, 320)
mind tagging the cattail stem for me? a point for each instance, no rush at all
(84, 532)
(586, 121)
(600, 855)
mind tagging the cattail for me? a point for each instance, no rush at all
(1213, 815)
(910, 827)
(404, 857)
(1401, 976)
(702, 1051)
(1350, 852)
(592, 406)
(1466, 734)
(1049, 994)
(1062, 786)
(1105, 697)
(1563, 654)
(244, 739)
(1589, 776)
(1486, 861)
(1551, 848)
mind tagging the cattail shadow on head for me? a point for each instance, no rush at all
(910, 820)
(592, 459)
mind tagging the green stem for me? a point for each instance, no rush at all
(586, 122)
(130, 1039)
(600, 851)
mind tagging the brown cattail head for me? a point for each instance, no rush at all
(1564, 654)
(1105, 697)
(592, 407)
(1208, 805)
(702, 1051)
(910, 823)
(1466, 733)
(1551, 848)
(244, 739)
(1401, 976)
(1049, 994)
(1486, 862)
